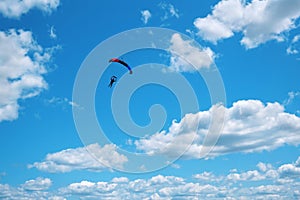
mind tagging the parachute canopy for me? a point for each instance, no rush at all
(121, 62)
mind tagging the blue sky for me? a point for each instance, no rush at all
(230, 66)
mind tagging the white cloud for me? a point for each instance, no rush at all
(173, 11)
(186, 57)
(22, 66)
(296, 38)
(260, 179)
(63, 102)
(31, 189)
(269, 191)
(146, 15)
(259, 20)
(253, 175)
(5, 190)
(250, 184)
(208, 177)
(292, 102)
(250, 126)
(16, 8)
(265, 182)
(82, 159)
(55, 197)
(292, 95)
(170, 11)
(264, 172)
(293, 47)
(91, 188)
(120, 180)
(53, 32)
(123, 188)
(289, 171)
(190, 189)
(212, 29)
(264, 167)
(290, 50)
(37, 184)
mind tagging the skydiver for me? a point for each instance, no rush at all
(112, 80)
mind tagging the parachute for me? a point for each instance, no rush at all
(121, 62)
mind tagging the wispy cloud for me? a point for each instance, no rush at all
(292, 102)
(146, 15)
(169, 11)
(292, 95)
(293, 47)
(52, 32)
(63, 102)
(258, 21)
(16, 8)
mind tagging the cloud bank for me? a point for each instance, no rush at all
(264, 182)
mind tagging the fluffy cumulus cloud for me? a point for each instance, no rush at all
(146, 14)
(23, 62)
(156, 187)
(267, 181)
(249, 126)
(32, 189)
(92, 158)
(290, 171)
(254, 175)
(99, 189)
(264, 182)
(37, 184)
(16, 8)
(258, 20)
(187, 57)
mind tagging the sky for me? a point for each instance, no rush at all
(211, 110)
